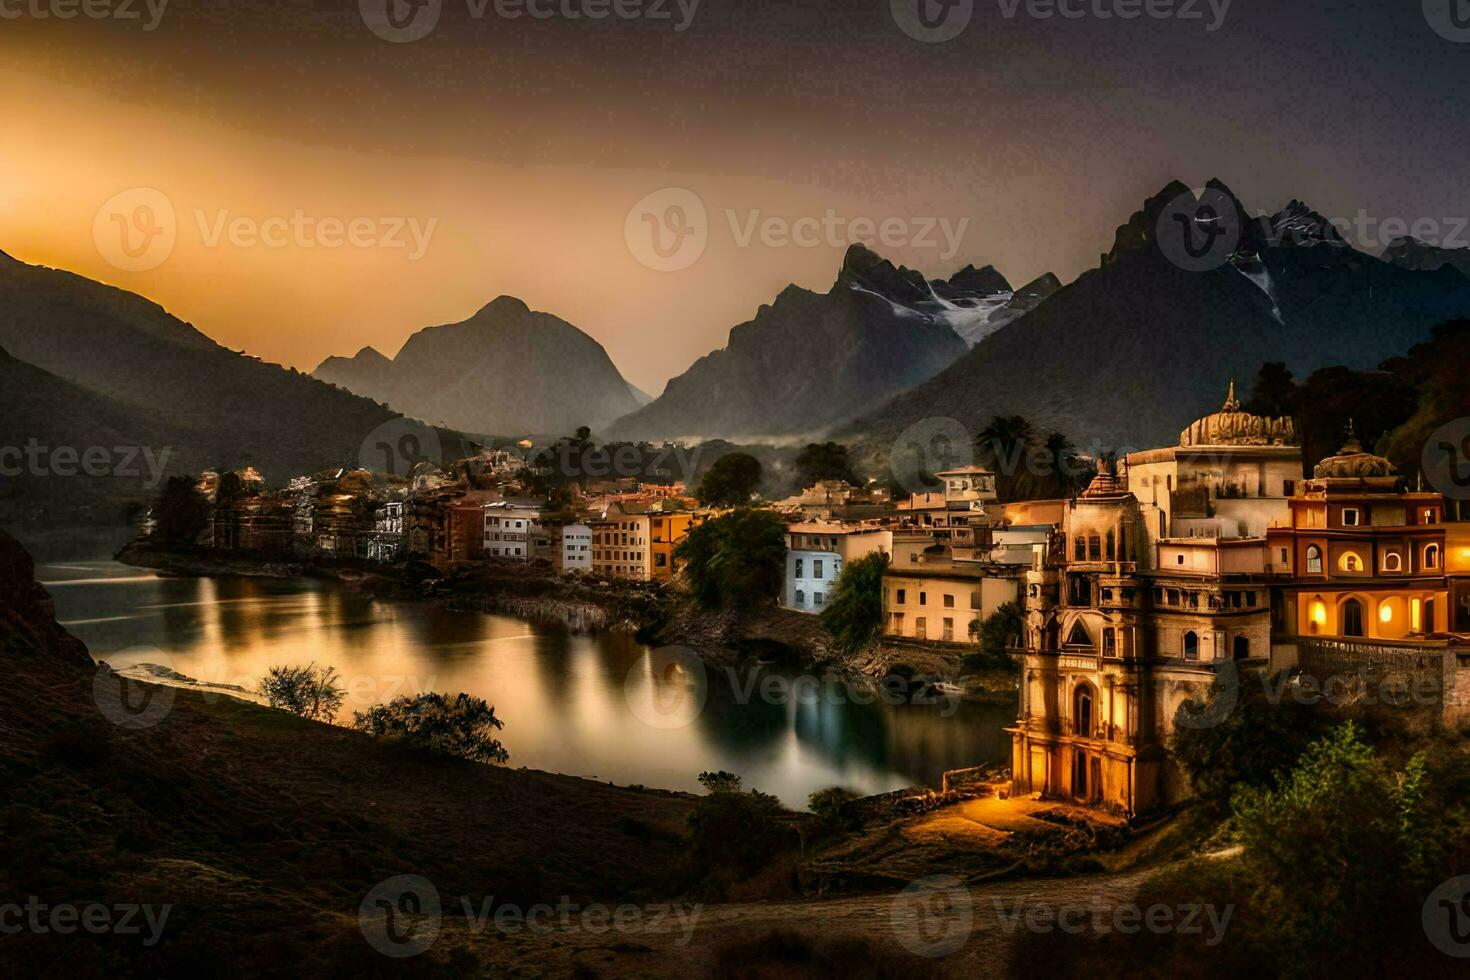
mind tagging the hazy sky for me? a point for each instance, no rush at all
(299, 151)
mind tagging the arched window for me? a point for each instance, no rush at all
(1078, 636)
(1431, 556)
(1079, 548)
(1352, 618)
(1350, 563)
(800, 599)
(1241, 650)
(1082, 709)
(1094, 548)
(1191, 645)
(1393, 561)
(1314, 559)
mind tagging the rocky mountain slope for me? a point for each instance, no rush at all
(1411, 253)
(810, 360)
(505, 371)
(1132, 351)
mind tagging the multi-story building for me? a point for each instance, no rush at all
(816, 552)
(1144, 602)
(575, 554)
(509, 528)
(940, 599)
(665, 532)
(620, 545)
(967, 498)
(1360, 557)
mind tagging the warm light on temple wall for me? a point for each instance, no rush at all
(1413, 613)
(1319, 613)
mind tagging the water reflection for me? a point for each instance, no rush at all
(567, 700)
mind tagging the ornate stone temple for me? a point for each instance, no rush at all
(1231, 426)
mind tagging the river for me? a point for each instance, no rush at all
(602, 706)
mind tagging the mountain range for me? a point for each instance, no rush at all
(810, 360)
(1411, 253)
(507, 370)
(1132, 351)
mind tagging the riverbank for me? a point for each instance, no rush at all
(659, 613)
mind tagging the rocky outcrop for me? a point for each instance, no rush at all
(28, 626)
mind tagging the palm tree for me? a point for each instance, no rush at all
(1002, 446)
(1060, 451)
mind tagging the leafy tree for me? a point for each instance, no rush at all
(1337, 847)
(731, 481)
(827, 805)
(182, 512)
(1255, 738)
(854, 614)
(720, 781)
(738, 558)
(462, 726)
(1061, 455)
(824, 461)
(997, 634)
(1275, 392)
(308, 692)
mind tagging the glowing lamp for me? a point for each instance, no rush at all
(1385, 613)
(1319, 613)
(1413, 613)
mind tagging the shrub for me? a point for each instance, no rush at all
(999, 631)
(720, 781)
(463, 727)
(740, 832)
(308, 692)
(827, 805)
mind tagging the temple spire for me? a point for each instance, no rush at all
(1232, 404)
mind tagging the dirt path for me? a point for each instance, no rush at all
(947, 929)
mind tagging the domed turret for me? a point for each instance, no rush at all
(1351, 462)
(1232, 426)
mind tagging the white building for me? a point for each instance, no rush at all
(815, 555)
(508, 528)
(576, 548)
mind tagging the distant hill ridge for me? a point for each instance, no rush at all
(507, 370)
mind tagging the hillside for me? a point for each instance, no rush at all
(265, 833)
(234, 409)
(506, 371)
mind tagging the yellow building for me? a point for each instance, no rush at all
(941, 600)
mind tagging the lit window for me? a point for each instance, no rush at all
(1431, 556)
(1350, 517)
(1393, 562)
